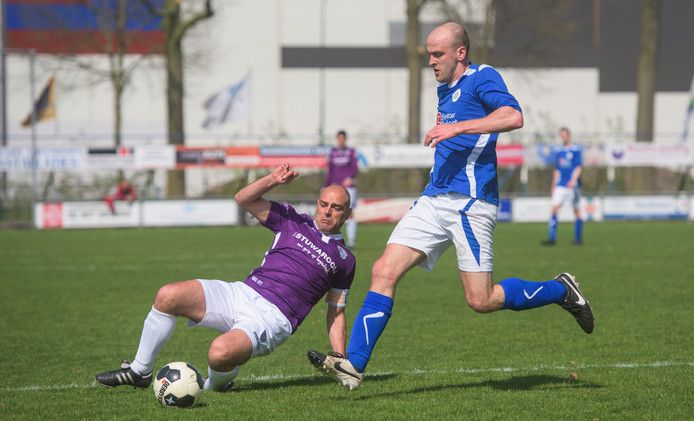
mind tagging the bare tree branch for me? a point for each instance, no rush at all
(185, 26)
(151, 9)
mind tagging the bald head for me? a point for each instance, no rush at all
(332, 209)
(337, 194)
(447, 46)
(454, 34)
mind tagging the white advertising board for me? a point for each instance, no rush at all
(47, 159)
(86, 215)
(149, 213)
(190, 212)
(650, 154)
(112, 161)
(162, 156)
(538, 209)
(646, 207)
(382, 210)
(396, 156)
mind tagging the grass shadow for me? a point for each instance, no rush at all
(538, 381)
(251, 385)
(515, 383)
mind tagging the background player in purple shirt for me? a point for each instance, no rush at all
(306, 260)
(343, 170)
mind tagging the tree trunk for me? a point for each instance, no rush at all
(174, 31)
(414, 54)
(647, 70)
(643, 179)
(119, 71)
(117, 120)
(118, 78)
(485, 44)
(175, 186)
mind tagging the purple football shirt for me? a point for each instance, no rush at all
(301, 265)
(342, 163)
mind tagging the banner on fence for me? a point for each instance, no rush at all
(68, 158)
(650, 154)
(189, 213)
(155, 156)
(96, 214)
(646, 207)
(539, 209)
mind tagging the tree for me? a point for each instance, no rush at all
(414, 53)
(119, 74)
(119, 25)
(645, 179)
(460, 11)
(175, 28)
(647, 69)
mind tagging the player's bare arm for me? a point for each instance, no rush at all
(250, 197)
(575, 176)
(555, 179)
(337, 328)
(502, 119)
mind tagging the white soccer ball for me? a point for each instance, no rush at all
(178, 384)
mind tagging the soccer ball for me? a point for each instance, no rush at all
(178, 384)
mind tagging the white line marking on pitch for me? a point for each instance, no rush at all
(416, 371)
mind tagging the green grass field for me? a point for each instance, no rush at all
(73, 303)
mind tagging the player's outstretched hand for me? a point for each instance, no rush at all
(284, 174)
(438, 133)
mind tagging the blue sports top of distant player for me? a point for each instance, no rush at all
(301, 265)
(566, 161)
(466, 164)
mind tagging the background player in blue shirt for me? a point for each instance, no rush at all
(566, 186)
(458, 206)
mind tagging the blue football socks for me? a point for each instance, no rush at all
(578, 231)
(553, 228)
(371, 321)
(523, 295)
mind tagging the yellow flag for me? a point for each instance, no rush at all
(44, 107)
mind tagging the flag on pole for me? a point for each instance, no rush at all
(44, 107)
(231, 103)
(689, 113)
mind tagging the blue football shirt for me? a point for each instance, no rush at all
(466, 164)
(566, 161)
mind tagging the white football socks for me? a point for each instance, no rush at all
(156, 332)
(351, 232)
(216, 380)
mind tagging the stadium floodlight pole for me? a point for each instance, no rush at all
(321, 75)
(3, 96)
(32, 117)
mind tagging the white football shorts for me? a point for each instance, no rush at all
(352, 197)
(433, 223)
(561, 195)
(235, 305)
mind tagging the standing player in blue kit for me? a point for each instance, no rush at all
(307, 259)
(566, 187)
(458, 206)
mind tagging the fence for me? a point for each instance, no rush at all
(59, 174)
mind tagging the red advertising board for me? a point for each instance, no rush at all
(52, 215)
(510, 155)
